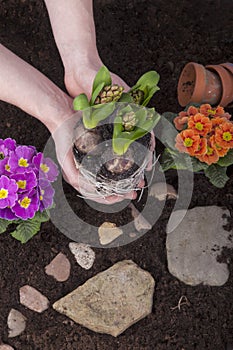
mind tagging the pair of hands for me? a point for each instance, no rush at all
(80, 81)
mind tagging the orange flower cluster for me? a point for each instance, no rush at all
(207, 132)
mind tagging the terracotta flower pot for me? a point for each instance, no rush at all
(212, 84)
(226, 78)
(198, 84)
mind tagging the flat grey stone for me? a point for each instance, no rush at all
(194, 245)
(16, 323)
(59, 268)
(111, 301)
(33, 299)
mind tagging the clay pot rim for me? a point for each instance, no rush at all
(226, 79)
(228, 66)
(199, 75)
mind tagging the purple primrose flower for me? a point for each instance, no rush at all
(6, 146)
(47, 168)
(8, 214)
(21, 159)
(8, 192)
(5, 167)
(25, 181)
(46, 193)
(27, 205)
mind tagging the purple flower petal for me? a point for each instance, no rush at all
(27, 205)
(8, 192)
(7, 214)
(47, 168)
(21, 159)
(46, 193)
(5, 167)
(25, 181)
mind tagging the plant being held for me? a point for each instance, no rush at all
(206, 135)
(26, 192)
(103, 104)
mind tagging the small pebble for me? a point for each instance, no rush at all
(16, 323)
(33, 299)
(59, 268)
(83, 254)
(140, 222)
(6, 347)
(108, 232)
(162, 190)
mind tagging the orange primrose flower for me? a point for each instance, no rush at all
(207, 110)
(216, 121)
(187, 141)
(224, 135)
(202, 147)
(180, 120)
(211, 155)
(200, 124)
(192, 110)
(220, 150)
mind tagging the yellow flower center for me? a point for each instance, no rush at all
(1, 155)
(44, 168)
(41, 196)
(22, 184)
(199, 126)
(227, 136)
(7, 167)
(209, 151)
(25, 202)
(211, 111)
(3, 193)
(23, 162)
(188, 142)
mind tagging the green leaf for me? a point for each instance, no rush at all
(227, 160)
(167, 161)
(80, 102)
(26, 230)
(103, 76)
(217, 175)
(169, 116)
(92, 116)
(4, 224)
(42, 216)
(96, 92)
(148, 84)
(125, 97)
(121, 139)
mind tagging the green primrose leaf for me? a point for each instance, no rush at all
(42, 216)
(96, 92)
(4, 224)
(92, 116)
(80, 102)
(217, 175)
(227, 160)
(103, 76)
(26, 230)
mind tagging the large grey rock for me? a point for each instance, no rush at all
(194, 245)
(111, 301)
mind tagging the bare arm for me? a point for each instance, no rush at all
(74, 32)
(25, 87)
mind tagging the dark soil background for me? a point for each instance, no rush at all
(133, 37)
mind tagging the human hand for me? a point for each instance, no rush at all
(64, 142)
